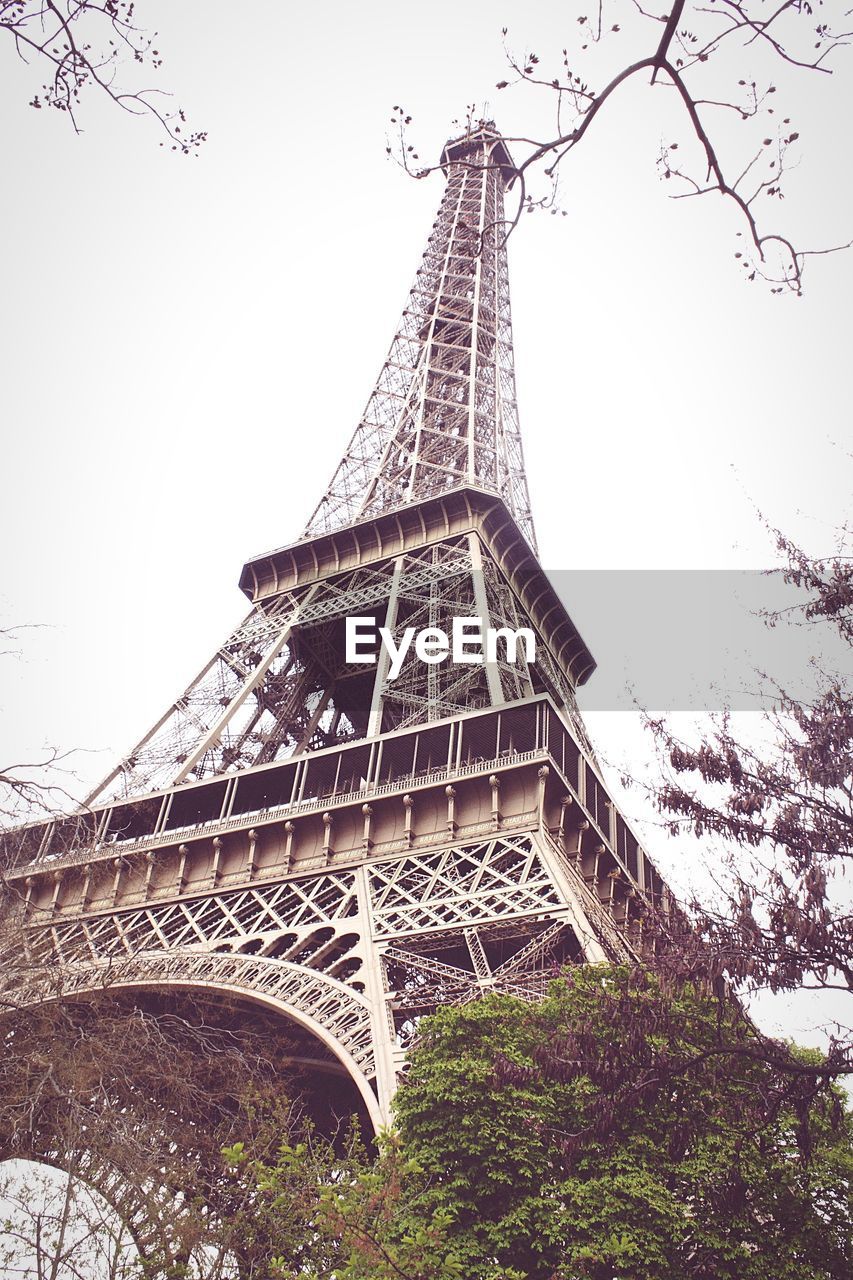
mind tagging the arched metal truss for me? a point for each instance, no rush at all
(339, 1017)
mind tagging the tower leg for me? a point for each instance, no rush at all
(381, 1021)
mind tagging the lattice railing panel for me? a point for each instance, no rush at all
(460, 886)
(263, 913)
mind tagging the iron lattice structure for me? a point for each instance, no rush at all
(306, 832)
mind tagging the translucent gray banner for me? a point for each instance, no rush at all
(695, 640)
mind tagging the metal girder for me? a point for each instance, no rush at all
(535, 950)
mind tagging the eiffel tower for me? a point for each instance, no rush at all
(347, 844)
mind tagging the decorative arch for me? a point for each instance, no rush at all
(337, 1015)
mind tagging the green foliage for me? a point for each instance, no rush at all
(600, 1135)
(333, 1212)
(567, 1142)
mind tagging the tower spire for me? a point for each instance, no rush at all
(443, 412)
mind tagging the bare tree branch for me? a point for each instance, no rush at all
(81, 46)
(695, 58)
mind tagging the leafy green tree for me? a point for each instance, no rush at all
(617, 1131)
(331, 1212)
(605, 1134)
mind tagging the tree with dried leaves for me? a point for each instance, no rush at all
(714, 67)
(780, 815)
(83, 49)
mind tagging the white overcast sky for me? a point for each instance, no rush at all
(188, 343)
